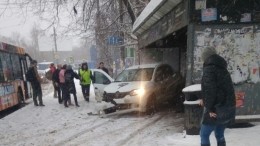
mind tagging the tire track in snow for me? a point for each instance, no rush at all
(135, 133)
(61, 143)
(149, 121)
(109, 133)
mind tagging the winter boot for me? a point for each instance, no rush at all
(76, 101)
(35, 102)
(205, 144)
(222, 143)
(41, 104)
(87, 98)
(65, 103)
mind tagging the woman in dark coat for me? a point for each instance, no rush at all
(218, 97)
(70, 85)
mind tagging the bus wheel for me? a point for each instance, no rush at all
(20, 96)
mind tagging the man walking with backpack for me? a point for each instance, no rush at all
(70, 85)
(33, 77)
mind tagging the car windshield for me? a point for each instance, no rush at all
(140, 74)
(43, 66)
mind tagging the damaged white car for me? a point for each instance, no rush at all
(139, 88)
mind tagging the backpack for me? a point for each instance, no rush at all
(68, 77)
(48, 75)
(30, 75)
(55, 76)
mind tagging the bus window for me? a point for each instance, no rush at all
(17, 72)
(7, 66)
(2, 79)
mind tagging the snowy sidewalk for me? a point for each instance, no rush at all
(56, 125)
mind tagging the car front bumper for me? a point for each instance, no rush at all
(134, 101)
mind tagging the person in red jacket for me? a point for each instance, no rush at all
(52, 70)
(56, 80)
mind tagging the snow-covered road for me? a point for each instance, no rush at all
(56, 125)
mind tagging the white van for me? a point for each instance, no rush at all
(42, 68)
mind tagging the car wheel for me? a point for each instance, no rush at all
(179, 103)
(151, 105)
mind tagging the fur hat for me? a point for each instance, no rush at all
(208, 51)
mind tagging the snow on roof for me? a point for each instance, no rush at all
(152, 5)
(192, 88)
(153, 12)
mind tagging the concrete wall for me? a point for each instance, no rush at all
(240, 47)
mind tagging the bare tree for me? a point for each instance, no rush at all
(91, 19)
(35, 32)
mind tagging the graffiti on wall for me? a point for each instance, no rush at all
(239, 46)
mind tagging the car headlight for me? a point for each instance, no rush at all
(137, 92)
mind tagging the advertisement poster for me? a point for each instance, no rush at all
(208, 14)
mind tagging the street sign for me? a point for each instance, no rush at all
(115, 40)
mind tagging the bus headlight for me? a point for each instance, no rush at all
(137, 92)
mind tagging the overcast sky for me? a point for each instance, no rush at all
(10, 22)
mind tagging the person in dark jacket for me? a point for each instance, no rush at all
(70, 85)
(101, 66)
(35, 81)
(56, 80)
(218, 97)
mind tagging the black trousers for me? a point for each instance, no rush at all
(37, 92)
(85, 91)
(63, 90)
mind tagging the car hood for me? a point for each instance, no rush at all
(125, 86)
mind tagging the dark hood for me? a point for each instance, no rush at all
(84, 63)
(216, 60)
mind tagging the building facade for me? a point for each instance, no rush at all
(175, 31)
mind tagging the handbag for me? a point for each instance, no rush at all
(225, 114)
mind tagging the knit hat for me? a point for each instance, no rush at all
(69, 67)
(33, 62)
(208, 51)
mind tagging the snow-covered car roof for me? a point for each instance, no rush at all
(143, 66)
(45, 62)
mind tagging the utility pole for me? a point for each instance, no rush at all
(55, 46)
(97, 29)
(121, 33)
